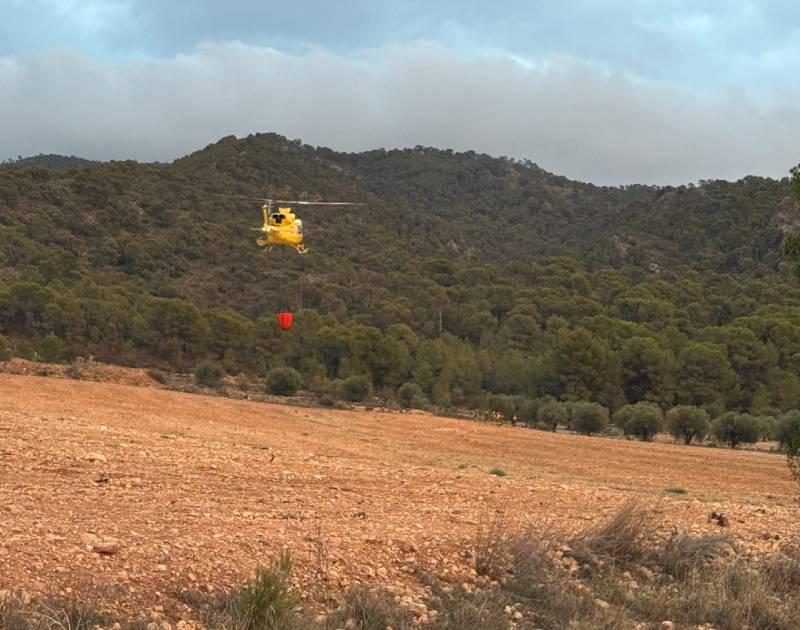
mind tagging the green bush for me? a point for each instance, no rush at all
(354, 388)
(688, 423)
(788, 432)
(51, 349)
(5, 349)
(529, 410)
(767, 428)
(554, 413)
(24, 350)
(643, 420)
(411, 395)
(267, 603)
(736, 428)
(589, 417)
(283, 381)
(208, 375)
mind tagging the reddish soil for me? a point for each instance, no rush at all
(190, 491)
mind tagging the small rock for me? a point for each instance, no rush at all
(106, 547)
(95, 457)
(667, 625)
(602, 604)
(517, 615)
(382, 572)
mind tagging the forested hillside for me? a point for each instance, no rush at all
(463, 276)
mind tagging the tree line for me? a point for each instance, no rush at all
(457, 332)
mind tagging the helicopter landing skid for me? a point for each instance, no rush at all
(301, 249)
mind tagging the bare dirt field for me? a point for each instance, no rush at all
(142, 492)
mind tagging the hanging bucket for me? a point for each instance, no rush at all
(285, 320)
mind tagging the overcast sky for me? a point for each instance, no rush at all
(608, 91)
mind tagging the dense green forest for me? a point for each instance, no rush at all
(464, 276)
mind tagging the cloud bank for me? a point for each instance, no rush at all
(570, 117)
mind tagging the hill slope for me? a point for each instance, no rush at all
(464, 274)
(143, 219)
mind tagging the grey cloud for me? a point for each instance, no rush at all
(568, 117)
(700, 43)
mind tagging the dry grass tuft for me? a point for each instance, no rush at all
(682, 554)
(622, 539)
(364, 609)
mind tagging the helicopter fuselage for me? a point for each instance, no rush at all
(281, 227)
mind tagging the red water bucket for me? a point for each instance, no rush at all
(285, 320)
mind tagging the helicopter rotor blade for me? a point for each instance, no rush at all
(297, 202)
(317, 203)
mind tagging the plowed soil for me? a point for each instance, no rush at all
(143, 493)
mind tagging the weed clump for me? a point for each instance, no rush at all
(364, 609)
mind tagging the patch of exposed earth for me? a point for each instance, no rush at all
(143, 493)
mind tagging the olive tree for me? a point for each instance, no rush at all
(736, 428)
(643, 420)
(788, 434)
(688, 422)
(553, 413)
(589, 417)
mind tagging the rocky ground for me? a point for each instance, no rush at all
(140, 494)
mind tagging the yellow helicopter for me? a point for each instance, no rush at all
(283, 227)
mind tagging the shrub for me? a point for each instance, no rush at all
(767, 428)
(18, 612)
(736, 428)
(354, 388)
(158, 376)
(5, 349)
(266, 603)
(643, 420)
(24, 350)
(687, 422)
(230, 361)
(461, 609)
(371, 610)
(788, 434)
(589, 417)
(682, 553)
(208, 375)
(410, 395)
(283, 381)
(51, 349)
(529, 410)
(620, 539)
(554, 413)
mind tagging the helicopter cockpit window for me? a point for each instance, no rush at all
(299, 227)
(277, 218)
